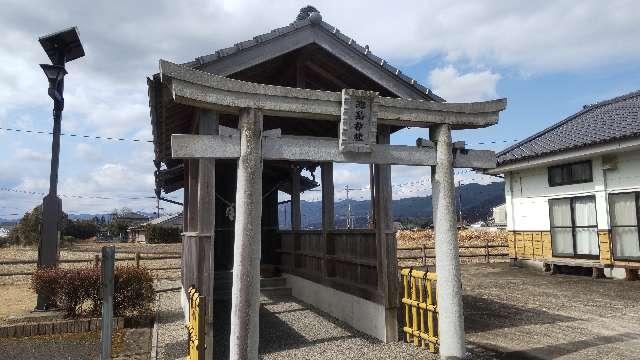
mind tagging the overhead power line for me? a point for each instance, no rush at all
(96, 137)
(78, 196)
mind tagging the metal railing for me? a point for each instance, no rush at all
(419, 301)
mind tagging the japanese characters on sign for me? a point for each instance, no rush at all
(358, 122)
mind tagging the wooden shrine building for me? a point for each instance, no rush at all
(235, 127)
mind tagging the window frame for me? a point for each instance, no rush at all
(573, 227)
(637, 226)
(570, 182)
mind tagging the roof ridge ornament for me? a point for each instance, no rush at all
(309, 12)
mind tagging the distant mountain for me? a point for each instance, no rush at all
(8, 222)
(477, 202)
(107, 217)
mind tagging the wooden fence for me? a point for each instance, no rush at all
(419, 299)
(138, 257)
(424, 253)
(341, 259)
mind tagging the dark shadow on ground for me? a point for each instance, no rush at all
(553, 351)
(275, 334)
(481, 314)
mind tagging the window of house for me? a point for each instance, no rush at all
(574, 227)
(624, 211)
(567, 174)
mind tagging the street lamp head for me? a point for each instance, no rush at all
(63, 46)
(55, 74)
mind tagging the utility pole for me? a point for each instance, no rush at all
(349, 220)
(60, 47)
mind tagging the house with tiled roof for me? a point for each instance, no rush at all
(573, 190)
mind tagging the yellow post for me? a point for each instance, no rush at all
(414, 311)
(420, 291)
(195, 327)
(405, 277)
(430, 311)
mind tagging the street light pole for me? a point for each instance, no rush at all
(61, 47)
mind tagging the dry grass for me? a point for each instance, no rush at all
(466, 237)
(18, 299)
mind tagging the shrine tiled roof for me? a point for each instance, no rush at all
(603, 122)
(309, 16)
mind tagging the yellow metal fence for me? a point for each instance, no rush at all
(195, 326)
(419, 299)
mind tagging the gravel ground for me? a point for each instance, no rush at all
(509, 314)
(289, 329)
(525, 314)
(171, 333)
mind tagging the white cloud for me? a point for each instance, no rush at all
(106, 91)
(87, 152)
(455, 87)
(31, 155)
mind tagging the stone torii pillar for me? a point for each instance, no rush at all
(245, 294)
(449, 285)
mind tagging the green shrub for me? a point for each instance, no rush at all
(78, 292)
(156, 234)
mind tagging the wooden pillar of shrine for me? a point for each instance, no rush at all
(386, 241)
(295, 198)
(208, 125)
(326, 174)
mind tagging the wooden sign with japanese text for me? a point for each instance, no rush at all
(358, 121)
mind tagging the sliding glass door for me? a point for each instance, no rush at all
(574, 227)
(624, 225)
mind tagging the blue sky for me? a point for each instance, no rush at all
(548, 58)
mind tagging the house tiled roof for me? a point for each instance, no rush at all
(603, 122)
(304, 20)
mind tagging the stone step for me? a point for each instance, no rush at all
(273, 282)
(276, 291)
(268, 286)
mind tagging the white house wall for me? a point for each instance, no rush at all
(527, 191)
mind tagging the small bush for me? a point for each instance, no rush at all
(133, 290)
(46, 281)
(156, 234)
(76, 288)
(78, 291)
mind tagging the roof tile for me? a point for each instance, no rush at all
(606, 121)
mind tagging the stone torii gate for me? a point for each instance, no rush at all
(360, 141)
